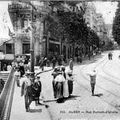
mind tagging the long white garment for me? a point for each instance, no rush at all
(25, 79)
(59, 78)
(65, 89)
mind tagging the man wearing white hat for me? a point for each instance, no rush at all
(25, 80)
(93, 80)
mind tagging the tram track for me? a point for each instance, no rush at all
(108, 74)
(109, 93)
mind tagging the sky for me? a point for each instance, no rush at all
(5, 21)
(106, 8)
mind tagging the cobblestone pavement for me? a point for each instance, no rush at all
(82, 105)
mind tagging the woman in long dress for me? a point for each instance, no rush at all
(69, 78)
(65, 84)
(54, 74)
(59, 86)
(65, 89)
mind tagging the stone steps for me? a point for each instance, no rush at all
(4, 75)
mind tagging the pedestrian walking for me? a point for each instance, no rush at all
(54, 74)
(69, 77)
(25, 79)
(59, 60)
(4, 67)
(38, 88)
(65, 89)
(21, 69)
(71, 64)
(59, 86)
(63, 71)
(25, 84)
(110, 56)
(53, 62)
(93, 80)
(9, 67)
(65, 83)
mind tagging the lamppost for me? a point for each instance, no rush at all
(30, 30)
(47, 44)
(32, 46)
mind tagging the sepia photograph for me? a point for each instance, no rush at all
(59, 60)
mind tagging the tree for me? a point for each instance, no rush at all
(116, 25)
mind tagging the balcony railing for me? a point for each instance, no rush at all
(6, 97)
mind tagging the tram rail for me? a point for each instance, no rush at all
(104, 62)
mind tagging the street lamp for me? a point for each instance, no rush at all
(32, 46)
(47, 44)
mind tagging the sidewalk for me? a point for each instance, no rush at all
(18, 111)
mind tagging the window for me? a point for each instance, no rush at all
(26, 48)
(9, 49)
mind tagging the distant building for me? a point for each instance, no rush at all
(21, 16)
(90, 16)
(96, 22)
(45, 43)
(109, 31)
(101, 28)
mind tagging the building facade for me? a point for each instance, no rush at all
(31, 24)
(23, 17)
(95, 21)
(91, 16)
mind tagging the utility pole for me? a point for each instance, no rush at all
(32, 46)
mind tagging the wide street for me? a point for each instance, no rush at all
(37, 34)
(104, 105)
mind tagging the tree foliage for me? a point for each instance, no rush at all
(116, 25)
(67, 24)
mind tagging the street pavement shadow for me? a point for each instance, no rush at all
(62, 100)
(35, 110)
(98, 95)
(38, 110)
(72, 97)
(50, 101)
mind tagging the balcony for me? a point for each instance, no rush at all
(18, 7)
